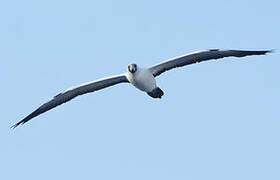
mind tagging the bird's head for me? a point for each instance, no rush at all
(132, 68)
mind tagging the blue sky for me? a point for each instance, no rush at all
(217, 119)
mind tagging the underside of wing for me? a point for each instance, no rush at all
(198, 56)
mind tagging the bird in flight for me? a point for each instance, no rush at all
(142, 78)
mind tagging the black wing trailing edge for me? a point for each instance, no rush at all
(198, 56)
(72, 93)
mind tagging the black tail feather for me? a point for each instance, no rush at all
(156, 93)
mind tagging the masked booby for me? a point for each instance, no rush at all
(142, 78)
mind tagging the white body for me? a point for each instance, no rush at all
(142, 79)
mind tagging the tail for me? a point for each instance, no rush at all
(156, 93)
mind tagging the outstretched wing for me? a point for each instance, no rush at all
(71, 93)
(199, 56)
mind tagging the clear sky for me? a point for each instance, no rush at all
(217, 120)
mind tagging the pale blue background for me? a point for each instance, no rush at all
(217, 120)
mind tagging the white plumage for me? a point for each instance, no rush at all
(141, 78)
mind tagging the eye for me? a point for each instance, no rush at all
(129, 67)
(135, 67)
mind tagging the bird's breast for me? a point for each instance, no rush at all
(143, 79)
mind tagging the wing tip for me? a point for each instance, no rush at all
(265, 52)
(13, 126)
(254, 52)
(271, 51)
(30, 116)
(258, 52)
(17, 124)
